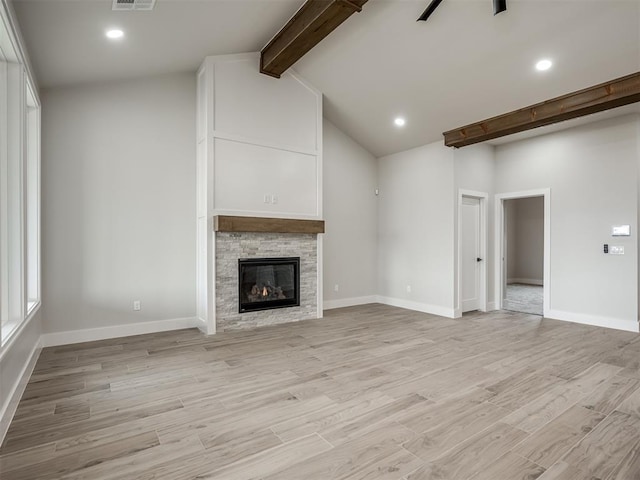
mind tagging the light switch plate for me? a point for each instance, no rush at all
(616, 250)
(620, 231)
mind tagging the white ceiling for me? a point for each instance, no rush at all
(461, 66)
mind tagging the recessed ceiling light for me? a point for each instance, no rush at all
(543, 65)
(399, 121)
(114, 34)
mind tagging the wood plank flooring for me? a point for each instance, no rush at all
(369, 392)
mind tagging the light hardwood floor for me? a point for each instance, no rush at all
(371, 392)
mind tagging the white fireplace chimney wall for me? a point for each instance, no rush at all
(259, 145)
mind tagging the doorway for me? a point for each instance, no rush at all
(522, 251)
(524, 255)
(472, 251)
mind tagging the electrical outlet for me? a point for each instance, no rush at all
(336, 288)
(136, 305)
(274, 199)
(267, 199)
(408, 288)
(616, 250)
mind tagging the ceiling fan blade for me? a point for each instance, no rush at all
(431, 8)
(499, 6)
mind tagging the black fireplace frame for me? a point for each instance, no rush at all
(269, 304)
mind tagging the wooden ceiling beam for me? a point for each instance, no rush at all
(314, 21)
(612, 94)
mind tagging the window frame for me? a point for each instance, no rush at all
(20, 186)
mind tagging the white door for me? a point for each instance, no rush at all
(471, 261)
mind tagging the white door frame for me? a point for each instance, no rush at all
(483, 197)
(500, 246)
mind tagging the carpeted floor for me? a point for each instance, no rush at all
(524, 298)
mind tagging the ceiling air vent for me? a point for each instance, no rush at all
(133, 4)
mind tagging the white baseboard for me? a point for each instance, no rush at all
(127, 330)
(10, 406)
(491, 306)
(348, 302)
(418, 307)
(202, 325)
(585, 319)
(526, 281)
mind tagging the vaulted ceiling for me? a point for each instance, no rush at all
(460, 66)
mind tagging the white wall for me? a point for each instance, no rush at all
(511, 222)
(638, 197)
(118, 203)
(474, 171)
(350, 176)
(17, 360)
(592, 171)
(267, 139)
(416, 229)
(525, 240)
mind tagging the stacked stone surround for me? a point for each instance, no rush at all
(232, 246)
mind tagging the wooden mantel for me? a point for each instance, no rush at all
(225, 223)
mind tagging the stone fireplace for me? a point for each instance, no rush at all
(268, 261)
(258, 187)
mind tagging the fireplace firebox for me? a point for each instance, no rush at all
(266, 283)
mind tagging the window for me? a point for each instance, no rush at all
(4, 190)
(19, 189)
(33, 199)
